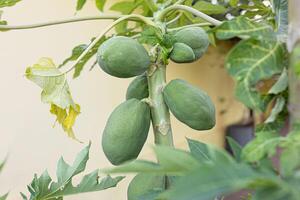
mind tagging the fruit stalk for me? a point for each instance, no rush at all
(159, 111)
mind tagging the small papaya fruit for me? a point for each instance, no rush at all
(194, 37)
(126, 131)
(143, 184)
(182, 53)
(123, 57)
(138, 88)
(190, 105)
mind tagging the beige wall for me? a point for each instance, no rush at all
(25, 123)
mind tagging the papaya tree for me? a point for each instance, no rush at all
(147, 35)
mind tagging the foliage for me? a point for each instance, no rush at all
(56, 92)
(43, 187)
(2, 163)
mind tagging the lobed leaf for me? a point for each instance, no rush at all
(100, 4)
(56, 92)
(43, 187)
(241, 26)
(80, 4)
(281, 18)
(251, 61)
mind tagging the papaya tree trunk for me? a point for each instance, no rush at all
(159, 111)
(294, 68)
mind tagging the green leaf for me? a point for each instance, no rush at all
(290, 157)
(43, 187)
(209, 8)
(76, 52)
(171, 161)
(4, 197)
(100, 4)
(235, 147)
(233, 3)
(7, 3)
(241, 26)
(125, 7)
(278, 107)
(264, 144)
(80, 4)
(281, 85)
(281, 18)
(251, 61)
(2, 163)
(209, 181)
(207, 153)
(56, 92)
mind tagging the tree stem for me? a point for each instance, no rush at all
(159, 110)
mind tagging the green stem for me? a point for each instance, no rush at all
(159, 110)
(63, 21)
(190, 10)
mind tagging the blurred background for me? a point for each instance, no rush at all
(26, 132)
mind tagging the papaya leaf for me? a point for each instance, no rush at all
(251, 61)
(80, 4)
(209, 8)
(235, 147)
(278, 107)
(281, 18)
(205, 153)
(2, 163)
(4, 197)
(171, 161)
(77, 51)
(100, 4)
(7, 3)
(56, 92)
(281, 84)
(263, 145)
(241, 26)
(209, 181)
(43, 187)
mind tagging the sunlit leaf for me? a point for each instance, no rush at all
(209, 8)
(100, 4)
(251, 61)
(43, 187)
(6, 3)
(56, 92)
(241, 26)
(80, 4)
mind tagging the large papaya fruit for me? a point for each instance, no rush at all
(138, 88)
(126, 131)
(190, 105)
(194, 37)
(143, 184)
(123, 57)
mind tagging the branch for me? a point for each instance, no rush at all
(63, 21)
(195, 12)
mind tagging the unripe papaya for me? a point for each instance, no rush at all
(143, 184)
(138, 88)
(123, 57)
(182, 53)
(190, 105)
(194, 37)
(126, 131)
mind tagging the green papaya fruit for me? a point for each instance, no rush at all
(190, 105)
(138, 88)
(194, 37)
(143, 184)
(123, 57)
(126, 131)
(182, 53)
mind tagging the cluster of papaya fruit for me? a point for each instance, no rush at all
(128, 125)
